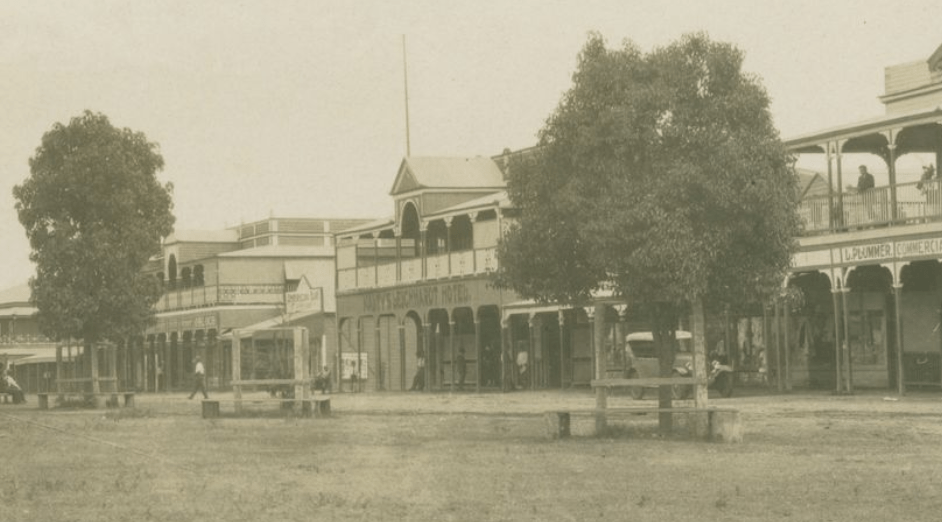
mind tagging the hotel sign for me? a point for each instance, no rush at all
(919, 248)
(304, 298)
(418, 297)
(882, 251)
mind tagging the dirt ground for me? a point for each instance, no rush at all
(441, 456)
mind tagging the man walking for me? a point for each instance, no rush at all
(199, 378)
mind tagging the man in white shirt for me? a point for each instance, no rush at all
(199, 378)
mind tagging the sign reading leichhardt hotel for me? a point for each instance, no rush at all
(471, 293)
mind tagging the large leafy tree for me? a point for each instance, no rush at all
(94, 212)
(659, 176)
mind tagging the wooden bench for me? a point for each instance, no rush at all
(95, 398)
(723, 424)
(311, 406)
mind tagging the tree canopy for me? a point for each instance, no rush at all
(94, 213)
(659, 176)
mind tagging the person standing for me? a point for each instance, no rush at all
(10, 386)
(867, 198)
(322, 381)
(418, 382)
(864, 180)
(199, 378)
(462, 366)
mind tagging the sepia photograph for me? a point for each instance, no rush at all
(487, 260)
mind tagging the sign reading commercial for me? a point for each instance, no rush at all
(919, 247)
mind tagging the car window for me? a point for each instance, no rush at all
(644, 349)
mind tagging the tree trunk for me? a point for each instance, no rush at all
(663, 321)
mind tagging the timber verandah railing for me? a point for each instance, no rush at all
(439, 266)
(197, 296)
(903, 203)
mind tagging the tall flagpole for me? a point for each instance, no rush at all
(405, 79)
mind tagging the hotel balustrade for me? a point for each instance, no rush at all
(437, 266)
(914, 203)
(211, 295)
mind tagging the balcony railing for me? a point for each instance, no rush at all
(198, 296)
(914, 203)
(441, 266)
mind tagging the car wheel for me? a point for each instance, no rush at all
(637, 392)
(679, 391)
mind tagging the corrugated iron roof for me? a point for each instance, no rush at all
(16, 294)
(282, 251)
(202, 236)
(448, 172)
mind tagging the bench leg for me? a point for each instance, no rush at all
(42, 400)
(210, 409)
(306, 410)
(128, 400)
(725, 426)
(564, 422)
(322, 408)
(558, 424)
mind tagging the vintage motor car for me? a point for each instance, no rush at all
(642, 361)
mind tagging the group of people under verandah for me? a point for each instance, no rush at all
(515, 370)
(9, 386)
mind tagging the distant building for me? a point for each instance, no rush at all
(273, 272)
(29, 354)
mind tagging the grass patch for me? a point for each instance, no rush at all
(170, 464)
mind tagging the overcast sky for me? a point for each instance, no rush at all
(296, 108)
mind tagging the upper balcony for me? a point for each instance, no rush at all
(212, 295)
(406, 270)
(890, 205)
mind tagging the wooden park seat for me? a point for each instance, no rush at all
(309, 406)
(722, 423)
(111, 398)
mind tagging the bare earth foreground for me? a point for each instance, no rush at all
(441, 457)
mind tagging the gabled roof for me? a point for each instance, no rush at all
(446, 173)
(15, 295)
(935, 60)
(811, 183)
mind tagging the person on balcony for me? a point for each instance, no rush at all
(866, 199)
(864, 180)
(929, 186)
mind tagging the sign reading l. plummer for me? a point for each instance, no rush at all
(871, 252)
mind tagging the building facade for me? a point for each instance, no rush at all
(869, 258)
(415, 287)
(415, 299)
(28, 354)
(270, 273)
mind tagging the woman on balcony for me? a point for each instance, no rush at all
(929, 186)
